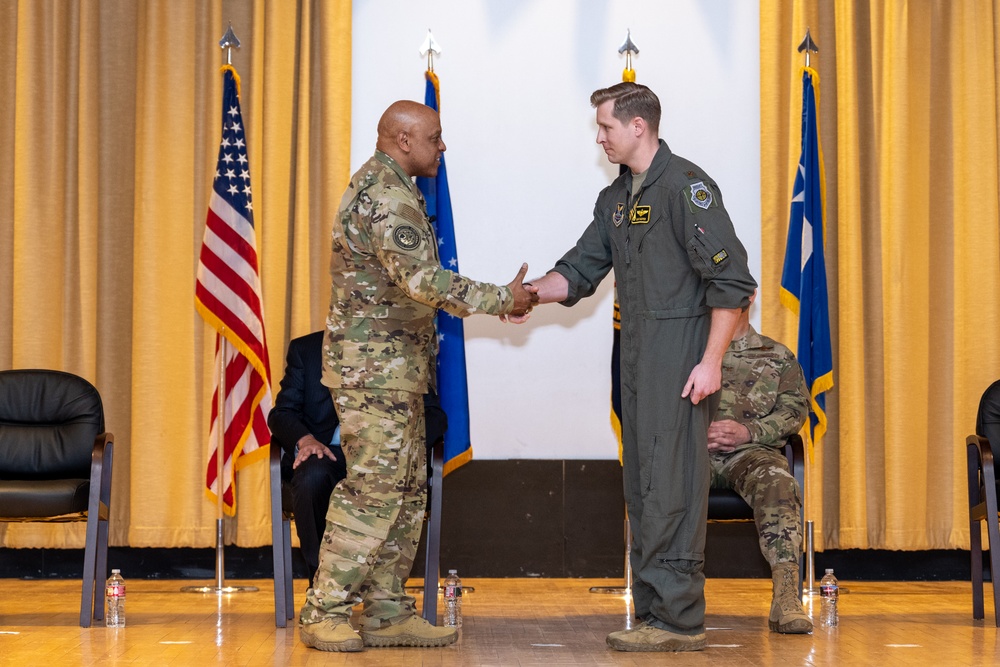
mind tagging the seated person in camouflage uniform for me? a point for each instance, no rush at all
(764, 401)
(304, 424)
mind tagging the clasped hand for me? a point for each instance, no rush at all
(525, 296)
(725, 435)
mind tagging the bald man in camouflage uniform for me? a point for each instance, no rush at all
(764, 400)
(379, 358)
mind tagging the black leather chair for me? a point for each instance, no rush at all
(983, 499)
(727, 505)
(281, 537)
(55, 464)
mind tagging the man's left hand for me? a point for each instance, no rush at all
(705, 380)
(310, 446)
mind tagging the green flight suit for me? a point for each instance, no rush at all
(675, 256)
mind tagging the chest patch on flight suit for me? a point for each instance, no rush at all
(619, 215)
(720, 257)
(639, 215)
(406, 237)
(701, 196)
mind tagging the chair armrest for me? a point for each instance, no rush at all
(795, 453)
(274, 466)
(981, 471)
(101, 460)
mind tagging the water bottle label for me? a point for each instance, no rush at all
(453, 591)
(116, 591)
(828, 590)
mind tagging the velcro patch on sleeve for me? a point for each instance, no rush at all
(720, 257)
(406, 237)
(700, 197)
(408, 213)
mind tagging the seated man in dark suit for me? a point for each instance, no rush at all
(304, 424)
(988, 418)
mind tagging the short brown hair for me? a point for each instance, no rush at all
(631, 100)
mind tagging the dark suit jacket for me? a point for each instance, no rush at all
(303, 404)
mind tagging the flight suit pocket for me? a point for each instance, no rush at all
(706, 261)
(664, 476)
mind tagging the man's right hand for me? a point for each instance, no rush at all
(525, 296)
(310, 446)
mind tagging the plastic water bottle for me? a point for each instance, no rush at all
(114, 600)
(453, 600)
(829, 591)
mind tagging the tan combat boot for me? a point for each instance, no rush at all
(787, 615)
(645, 637)
(414, 631)
(331, 634)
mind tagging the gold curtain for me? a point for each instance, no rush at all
(109, 132)
(908, 121)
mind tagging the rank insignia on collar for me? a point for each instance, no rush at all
(619, 215)
(701, 196)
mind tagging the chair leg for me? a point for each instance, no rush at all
(87, 601)
(286, 531)
(993, 530)
(277, 546)
(432, 562)
(101, 568)
(277, 554)
(976, 561)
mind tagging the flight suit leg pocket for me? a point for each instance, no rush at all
(665, 484)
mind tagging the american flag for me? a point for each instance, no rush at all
(228, 297)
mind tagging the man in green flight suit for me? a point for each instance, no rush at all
(379, 355)
(682, 282)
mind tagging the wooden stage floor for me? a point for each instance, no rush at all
(508, 622)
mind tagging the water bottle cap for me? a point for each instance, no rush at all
(829, 570)
(452, 571)
(115, 571)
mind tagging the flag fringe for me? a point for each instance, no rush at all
(458, 460)
(221, 329)
(236, 77)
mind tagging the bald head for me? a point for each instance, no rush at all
(410, 133)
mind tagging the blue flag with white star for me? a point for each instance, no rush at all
(452, 383)
(803, 278)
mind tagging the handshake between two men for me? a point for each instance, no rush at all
(525, 297)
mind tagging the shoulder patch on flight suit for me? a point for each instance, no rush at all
(701, 196)
(407, 237)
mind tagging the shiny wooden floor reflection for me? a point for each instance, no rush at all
(508, 622)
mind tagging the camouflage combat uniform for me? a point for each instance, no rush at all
(764, 389)
(676, 257)
(378, 362)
